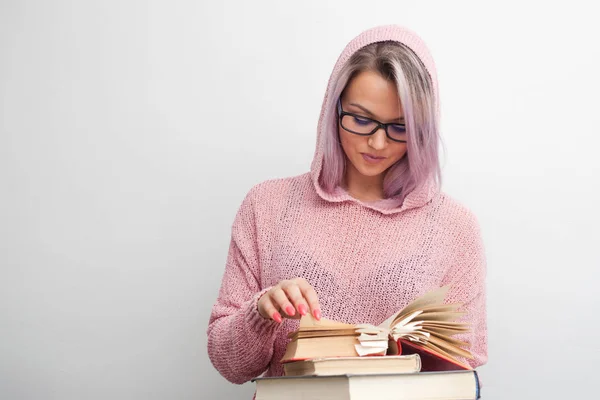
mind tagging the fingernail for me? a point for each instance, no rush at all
(277, 317)
(317, 314)
(302, 309)
(290, 310)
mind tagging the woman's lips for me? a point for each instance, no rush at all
(371, 159)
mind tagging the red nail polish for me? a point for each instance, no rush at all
(277, 317)
(290, 310)
(302, 309)
(317, 314)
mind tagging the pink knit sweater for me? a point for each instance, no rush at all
(365, 260)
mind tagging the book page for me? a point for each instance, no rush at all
(309, 322)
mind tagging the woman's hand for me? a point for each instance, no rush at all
(291, 298)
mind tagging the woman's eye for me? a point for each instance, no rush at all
(362, 121)
(398, 128)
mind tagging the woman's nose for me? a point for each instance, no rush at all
(378, 140)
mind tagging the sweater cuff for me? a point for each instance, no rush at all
(253, 317)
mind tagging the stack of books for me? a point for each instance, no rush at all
(449, 385)
(411, 355)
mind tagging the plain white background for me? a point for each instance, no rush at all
(130, 131)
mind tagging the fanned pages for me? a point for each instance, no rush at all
(427, 323)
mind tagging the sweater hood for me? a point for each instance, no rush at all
(420, 195)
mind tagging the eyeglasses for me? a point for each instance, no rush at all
(364, 126)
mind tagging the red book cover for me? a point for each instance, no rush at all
(430, 361)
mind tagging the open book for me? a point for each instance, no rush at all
(426, 327)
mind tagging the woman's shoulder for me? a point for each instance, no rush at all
(274, 192)
(454, 212)
(274, 188)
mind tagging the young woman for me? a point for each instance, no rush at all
(366, 231)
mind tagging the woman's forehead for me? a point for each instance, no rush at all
(374, 95)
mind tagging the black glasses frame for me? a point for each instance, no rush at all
(341, 114)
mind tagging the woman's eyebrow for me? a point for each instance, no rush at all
(371, 114)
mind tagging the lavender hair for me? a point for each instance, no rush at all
(399, 64)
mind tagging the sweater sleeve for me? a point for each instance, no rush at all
(466, 277)
(240, 340)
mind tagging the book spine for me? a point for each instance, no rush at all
(477, 385)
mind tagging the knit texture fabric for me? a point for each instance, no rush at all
(366, 261)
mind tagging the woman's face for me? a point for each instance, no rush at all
(370, 95)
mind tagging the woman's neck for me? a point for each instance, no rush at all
(361, 187)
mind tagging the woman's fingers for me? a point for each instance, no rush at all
(281, 300)
(293, 292)
(293, 298)
(308, 292)
(268, 308)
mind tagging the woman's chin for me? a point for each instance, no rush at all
(370, 171)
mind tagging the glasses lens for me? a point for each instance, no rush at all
(397, 132)
(357, 124)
